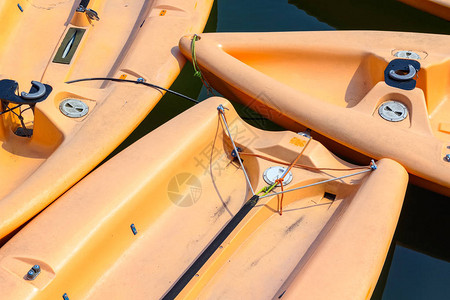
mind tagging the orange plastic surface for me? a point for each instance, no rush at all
(179, 186)
(333, 82)
(130, 39)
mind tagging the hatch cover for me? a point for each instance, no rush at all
(273, 173)
(393, 111)
(73, 108)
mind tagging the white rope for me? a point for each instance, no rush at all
(317, 183)
(220, 108)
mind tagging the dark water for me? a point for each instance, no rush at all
(417, 266)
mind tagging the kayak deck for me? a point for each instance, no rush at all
(137, 223)
(131, 39)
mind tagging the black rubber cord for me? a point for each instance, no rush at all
(137, 82)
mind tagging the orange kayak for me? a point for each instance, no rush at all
(380, 94)
(173, 215)
(439, 8)
(54, 133)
